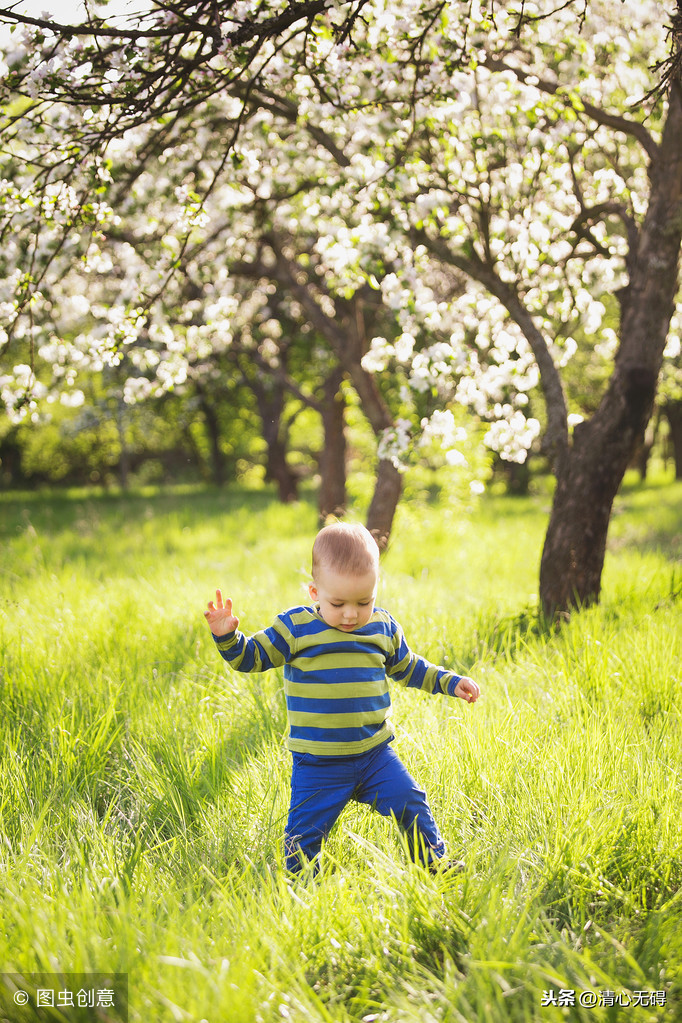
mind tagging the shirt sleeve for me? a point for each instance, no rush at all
(415, 672)
(270, 648)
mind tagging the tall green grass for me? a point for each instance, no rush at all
(143, 787)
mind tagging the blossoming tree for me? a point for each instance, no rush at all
(389, 152)
(541, 179)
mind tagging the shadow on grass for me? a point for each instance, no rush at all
(50, 512)
(494, 636)
(667, 542)
(648, 517)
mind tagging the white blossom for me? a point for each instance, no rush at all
(513, 436)
(394, 443)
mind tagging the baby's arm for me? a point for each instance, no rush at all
(416, 672)
(219, 616)
(270, 648)
(467, 689)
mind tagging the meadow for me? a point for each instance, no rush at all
(144, 786)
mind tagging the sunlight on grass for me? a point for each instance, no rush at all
(143, 786)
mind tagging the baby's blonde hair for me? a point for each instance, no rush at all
(345, 547)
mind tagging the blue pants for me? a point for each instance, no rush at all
(322, 786)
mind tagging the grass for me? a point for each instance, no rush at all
(143, 787)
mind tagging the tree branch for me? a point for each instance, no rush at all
(556, 434)
(589, 214)
(618, 123)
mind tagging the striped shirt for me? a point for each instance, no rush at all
(338, 702)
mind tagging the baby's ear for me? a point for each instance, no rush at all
(312, 590)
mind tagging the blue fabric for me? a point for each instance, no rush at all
(321, 786)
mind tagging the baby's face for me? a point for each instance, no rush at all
(346, 601)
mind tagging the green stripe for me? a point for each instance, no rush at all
(335, 690)
(430, 678)
(352, 720)
(284, 631)
(335, 636)
(340, 749)
(228, 643)
(345, 662)
(304, 616)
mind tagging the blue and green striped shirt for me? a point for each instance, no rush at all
(338, 702)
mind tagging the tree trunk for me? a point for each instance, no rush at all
(124, 457)
(388, 483)
(643, 449)
(11, 472)
(270, 401)
(212, 423)
(347, 336)
(672, 411)
(517, 476)
(590, 472)
(387, 490)
(332, 461)
(575, 543)
(277, 469)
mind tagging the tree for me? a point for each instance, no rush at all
(590, 469)
(669, 399)
(596, 195)
(200, 313)
(440, 140)
(158, 86)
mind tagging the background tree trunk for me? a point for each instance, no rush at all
(277, 469)
(124, 457)
(346, 335)
(575, 543)
(644, 448)
(212, 422)
(387, 489)
(672, 411)
(270, 403)
(388, 481)
(591, 471)
(332, 461)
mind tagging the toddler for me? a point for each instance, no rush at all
(336, 656)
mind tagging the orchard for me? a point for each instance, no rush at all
(466, 214)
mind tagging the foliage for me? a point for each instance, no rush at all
(441, 201)
(143, 789)
(384, 153)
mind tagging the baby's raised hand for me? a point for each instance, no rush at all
(467, 690)
(219, 616)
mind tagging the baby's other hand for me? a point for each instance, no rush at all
(219, 616)
(467, 690)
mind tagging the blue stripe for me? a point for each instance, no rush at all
(414, 671)
(316, 625)
(278, 641)
(325, 649)
(348, 646)
(310, 628)
(417, 680)
(336, 675)
(349, 705)
(377, 628)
